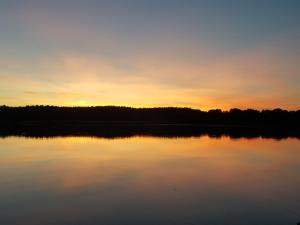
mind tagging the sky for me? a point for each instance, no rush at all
(202, 54)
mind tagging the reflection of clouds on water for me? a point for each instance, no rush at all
(210, 175)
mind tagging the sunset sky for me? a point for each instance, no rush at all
(190, 53)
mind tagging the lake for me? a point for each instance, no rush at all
(144, 180)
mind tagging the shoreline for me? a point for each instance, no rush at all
(115, 129)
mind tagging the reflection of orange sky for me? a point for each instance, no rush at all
(148, 165)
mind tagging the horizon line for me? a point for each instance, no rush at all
(153, 107)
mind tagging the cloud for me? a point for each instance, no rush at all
(96, 65)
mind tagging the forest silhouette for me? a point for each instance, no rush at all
(114, 121)
(151, 115)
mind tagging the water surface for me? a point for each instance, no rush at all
(149, 181)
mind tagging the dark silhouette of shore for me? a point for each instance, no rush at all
(150, 115)
(112, 121)
(42, 129)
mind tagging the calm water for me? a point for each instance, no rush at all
(149, 181)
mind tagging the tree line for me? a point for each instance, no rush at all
(171, 115)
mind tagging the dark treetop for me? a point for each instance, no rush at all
(171, 115)
(111, 121)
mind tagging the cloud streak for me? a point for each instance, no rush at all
(79, 56)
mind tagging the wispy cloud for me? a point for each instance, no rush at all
(85, 57)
